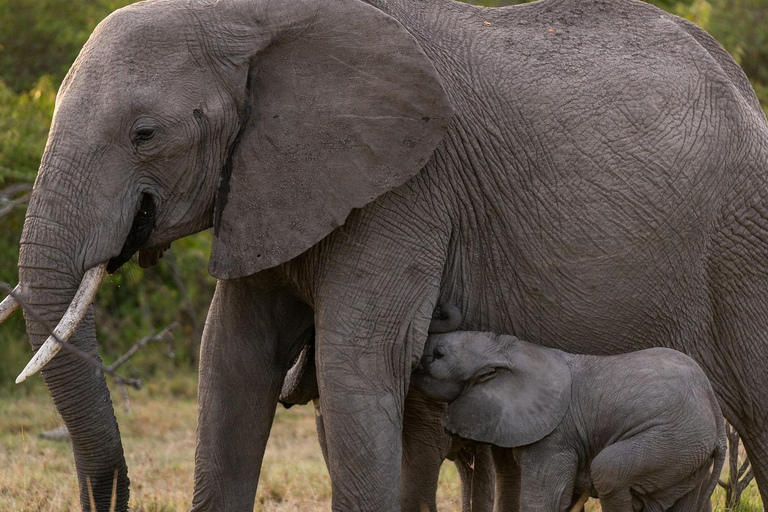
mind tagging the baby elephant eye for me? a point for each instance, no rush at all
(439, 352)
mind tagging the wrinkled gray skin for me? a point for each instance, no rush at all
(596, 167)
(638, 431)
(421, 468)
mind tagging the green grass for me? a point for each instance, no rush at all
(159, 439)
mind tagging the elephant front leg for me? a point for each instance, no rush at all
(364, 361)
(249, 342)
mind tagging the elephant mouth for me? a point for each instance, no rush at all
(141, 229)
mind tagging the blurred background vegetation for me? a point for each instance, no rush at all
(39, 39)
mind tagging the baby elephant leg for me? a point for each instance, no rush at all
(696, 499)
(693, 502)
(547, 480)
(638, 474)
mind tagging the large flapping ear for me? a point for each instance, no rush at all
(343, 106)
(519, 405)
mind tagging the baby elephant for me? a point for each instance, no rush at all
(639, 431)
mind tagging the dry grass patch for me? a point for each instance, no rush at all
(37, 475)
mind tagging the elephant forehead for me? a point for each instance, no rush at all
(139, 46)
(466, 343)
(130, 67)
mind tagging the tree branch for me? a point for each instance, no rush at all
(160, 336)
(747, 478)
(89, 359)
(7, 204)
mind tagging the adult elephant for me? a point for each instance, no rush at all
(590, 171)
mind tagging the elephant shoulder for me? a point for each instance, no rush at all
(723, 59)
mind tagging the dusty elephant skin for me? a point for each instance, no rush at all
(591, 171)
(640, 431)
(425, 448)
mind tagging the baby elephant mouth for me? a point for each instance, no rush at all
(141, 229)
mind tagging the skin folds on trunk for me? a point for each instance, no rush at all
(79, 392)
(82, 399)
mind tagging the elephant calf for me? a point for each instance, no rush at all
(638, 431)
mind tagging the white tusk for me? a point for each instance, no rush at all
(9, 305)
(68, 323)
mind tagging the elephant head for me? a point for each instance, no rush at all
(500, 390)
(269, 121)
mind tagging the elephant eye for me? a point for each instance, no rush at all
(143, 130)
(484, 375)
(143, 134)
(439, 352)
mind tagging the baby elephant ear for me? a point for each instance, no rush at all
(344, 106)
(516, 406)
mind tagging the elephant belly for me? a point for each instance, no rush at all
(605, 282)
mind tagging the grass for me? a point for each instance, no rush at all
(159, 439)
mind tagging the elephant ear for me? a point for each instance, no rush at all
(343, 106)
(518, 405)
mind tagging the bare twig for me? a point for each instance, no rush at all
(91, 501)
(113, 501)
(160, 336)
(89, 359)
(739, 475)
(7, 200)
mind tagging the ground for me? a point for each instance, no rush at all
(159, 438)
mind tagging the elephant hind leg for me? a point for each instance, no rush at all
(619, 501)
(736, 359)
(697, 484)
(641, 473)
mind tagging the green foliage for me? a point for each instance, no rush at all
(43, 37)
(24, 122)
(742, 27)
(39, 40)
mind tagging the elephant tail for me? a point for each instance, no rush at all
(445, 318)
(718, 455)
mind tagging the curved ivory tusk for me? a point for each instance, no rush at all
(68, 323)
(9, 305)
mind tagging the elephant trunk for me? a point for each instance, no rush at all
(51, 264)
